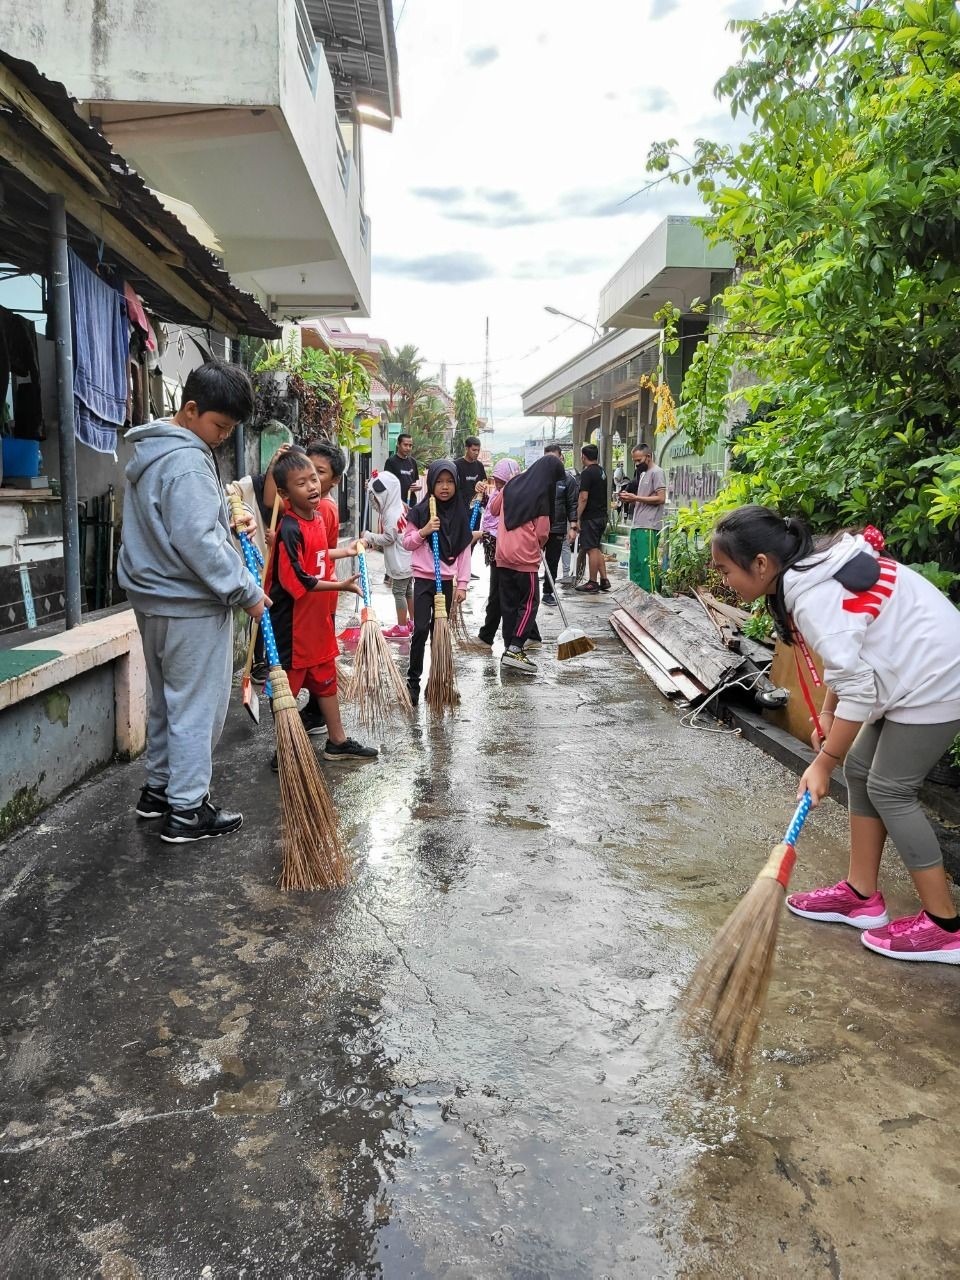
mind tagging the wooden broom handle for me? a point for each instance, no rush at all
(248, 665)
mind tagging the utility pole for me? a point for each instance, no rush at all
(486, 390)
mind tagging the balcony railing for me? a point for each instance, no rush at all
(307, 46)
(342, 157)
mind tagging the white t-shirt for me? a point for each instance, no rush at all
(645, 514)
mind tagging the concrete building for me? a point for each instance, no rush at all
(246, 117)
(599, 388)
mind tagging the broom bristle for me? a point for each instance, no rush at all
(313, 856)
(574, 647)
(461, 635)
(376, 686)
(442, 692)
(724, 999)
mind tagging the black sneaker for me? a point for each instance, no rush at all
(587, 588)
(259, 673)
(152, 803)
(349, 750)
(181, 826)
(550, 599)
(312, 720)
(275, 764)
(413, 688)
(604, 584)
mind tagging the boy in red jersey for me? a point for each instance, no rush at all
(304, 586)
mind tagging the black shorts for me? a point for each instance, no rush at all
(591, 533)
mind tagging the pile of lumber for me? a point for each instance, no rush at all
(687, 646)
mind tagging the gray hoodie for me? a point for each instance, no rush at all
(177, 558)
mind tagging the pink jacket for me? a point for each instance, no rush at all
(423, 559)
(519, 548)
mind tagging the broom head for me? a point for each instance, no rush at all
(464, 641)
(313, 856)
(724, 1000)
(572, 642)
(442, 692)
(376, 686)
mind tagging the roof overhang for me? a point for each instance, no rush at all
(675, 264)
(361, 51)
(589, 371)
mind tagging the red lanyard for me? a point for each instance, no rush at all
(801, 644)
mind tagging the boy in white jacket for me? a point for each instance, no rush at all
(890, 646)
(385, 500)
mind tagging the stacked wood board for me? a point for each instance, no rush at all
(681, 644)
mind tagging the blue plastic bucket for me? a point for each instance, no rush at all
(21, 457)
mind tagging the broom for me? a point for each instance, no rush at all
(725, 996)
(375, 685)
(313, 857)
(571, 641)
(464, 641)
(351, 632)
(442, 689)
(248, 694)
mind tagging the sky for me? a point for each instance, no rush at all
(505, 185)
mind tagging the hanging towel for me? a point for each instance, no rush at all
(139, 317)
(101, 345)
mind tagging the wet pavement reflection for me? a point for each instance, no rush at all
(466, 1063)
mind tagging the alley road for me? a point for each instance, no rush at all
(466, 1064)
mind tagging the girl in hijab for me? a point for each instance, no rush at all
(505, 470)
(385, 500)
(525, 507)
(453, 525)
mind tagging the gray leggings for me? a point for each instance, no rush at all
(884, 770)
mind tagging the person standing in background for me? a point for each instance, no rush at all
(647, 493)
(563, 519)
(404, 465)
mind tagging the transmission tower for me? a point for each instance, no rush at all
(486, 389)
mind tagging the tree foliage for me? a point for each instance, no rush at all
(432, 429)
(465, 411)
(843, 206)
(400, 374)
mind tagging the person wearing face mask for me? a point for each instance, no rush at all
(646, 493)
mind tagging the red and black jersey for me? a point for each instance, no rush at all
(302, 616)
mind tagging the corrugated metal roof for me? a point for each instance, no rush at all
(361, 51)
(23, 233)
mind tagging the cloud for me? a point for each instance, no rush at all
(483, 55)
(556, 266)
(438, 268)
(440, 195)
(509, 199)
(660, 8)
(654, 99)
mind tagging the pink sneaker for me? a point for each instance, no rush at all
(838, 904)
(397, 632)
(914, 938)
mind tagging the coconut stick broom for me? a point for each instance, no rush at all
(442, 692)
(376, 686)
(313, 856)
(571, 641)
(462, 638)
(724, 1000)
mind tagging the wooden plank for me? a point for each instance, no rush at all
(662, 681)
(33, 110)
(656, 651)
(49, 178)
(689, 637)
(642, 644)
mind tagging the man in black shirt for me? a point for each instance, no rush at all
(592, 519)
(403, 465)
(470, 470)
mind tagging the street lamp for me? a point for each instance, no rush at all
(555, 311)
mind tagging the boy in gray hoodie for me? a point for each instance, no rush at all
(184, 577)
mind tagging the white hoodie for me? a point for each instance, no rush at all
(893, 650)
(384, 491)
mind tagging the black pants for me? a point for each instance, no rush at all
(551, 553)
(424, 590)
(491, 623)
(519, 601)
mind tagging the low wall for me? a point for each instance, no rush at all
(84, 704)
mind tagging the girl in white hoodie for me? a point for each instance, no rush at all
(890, 646)
(384, 491)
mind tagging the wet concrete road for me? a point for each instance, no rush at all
(465, 1065)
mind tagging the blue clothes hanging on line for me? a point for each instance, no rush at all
(101, 348)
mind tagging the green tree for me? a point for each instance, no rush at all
(465, 411)
(842, 206)
(432, 429)
(400, 374)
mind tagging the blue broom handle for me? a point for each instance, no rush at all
(798, 819)
(435, 543)
(364, 579)
(266, 626)
(475, 516)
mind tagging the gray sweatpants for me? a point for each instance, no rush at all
(189, 670)
(884, 770)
